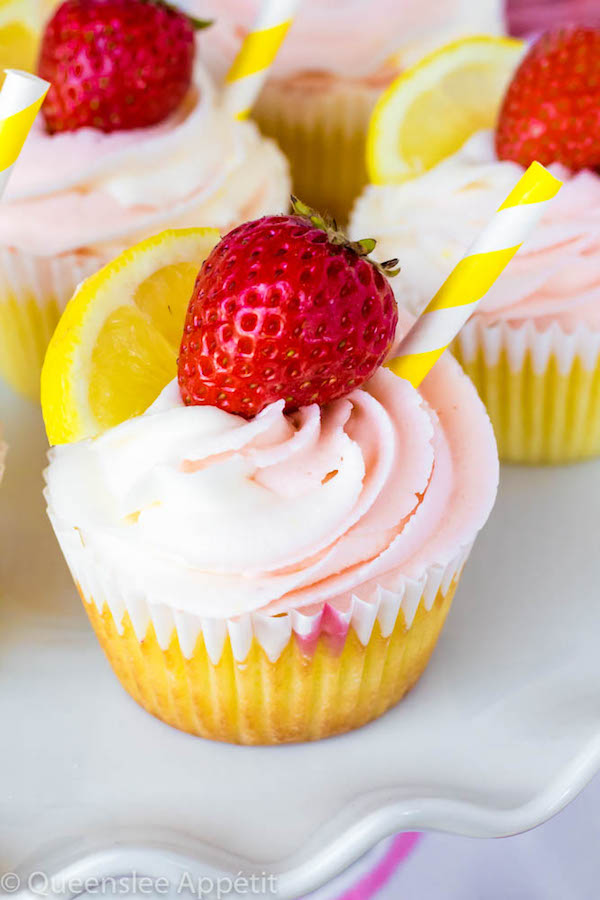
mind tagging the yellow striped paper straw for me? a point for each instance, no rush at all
(256, 55)
(21, 96)
(474, 275)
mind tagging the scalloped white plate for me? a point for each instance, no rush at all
(501, 732)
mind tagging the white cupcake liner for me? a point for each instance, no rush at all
(34, 290)
(372, 602)
(25, 277)
(524, 340)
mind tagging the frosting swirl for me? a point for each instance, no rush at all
(218, 516)
(430, 221)
(87, 188)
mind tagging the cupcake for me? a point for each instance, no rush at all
(111, 160)
(532, 347)
(336, 61)
(268, 553)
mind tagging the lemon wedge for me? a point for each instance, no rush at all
(431, 109)
(116, 345)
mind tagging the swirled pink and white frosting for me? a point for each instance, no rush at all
(430, 221)
(352, 39)
(217, 516)
(95, 191)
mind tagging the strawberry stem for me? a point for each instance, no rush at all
(336, 236)
(197, 24)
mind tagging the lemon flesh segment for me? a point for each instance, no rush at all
(164, 296)
(433, 108)
(131, 363)
(116, 345)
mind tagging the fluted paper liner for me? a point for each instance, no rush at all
(258, 678)
(541, 387)
(33, 292)
(382, 604)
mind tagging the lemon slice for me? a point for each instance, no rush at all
(20, 23)
(116, 345)
(431, 109)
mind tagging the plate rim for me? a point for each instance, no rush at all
(168, 853)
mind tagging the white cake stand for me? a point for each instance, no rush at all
(501, 732)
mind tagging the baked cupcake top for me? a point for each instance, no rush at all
(549, 113)
(352, 39)
(284, 468)
(131, 138)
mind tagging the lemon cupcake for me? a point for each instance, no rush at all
(337, 59)
(268, 552)
(112, 159)
(533, 346)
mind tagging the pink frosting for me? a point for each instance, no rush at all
(429, 486)
(430, 221)
(228, 517)
(351, 38)
(555, 277)
(88, 189)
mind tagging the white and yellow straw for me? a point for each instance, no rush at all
(256, 55)
(21, 96)
(474, 275)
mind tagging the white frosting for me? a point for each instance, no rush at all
(244, 509)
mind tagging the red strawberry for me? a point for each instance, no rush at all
(285, 308)
(551, 111)
(115, 64)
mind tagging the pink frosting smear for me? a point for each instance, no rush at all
(349, 38)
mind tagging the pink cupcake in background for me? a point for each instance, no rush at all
(532, 347)
(531, 17)
(337, 59)
(115, 157)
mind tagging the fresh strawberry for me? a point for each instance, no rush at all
(115, 64)
(551, 111)
(285, 308)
